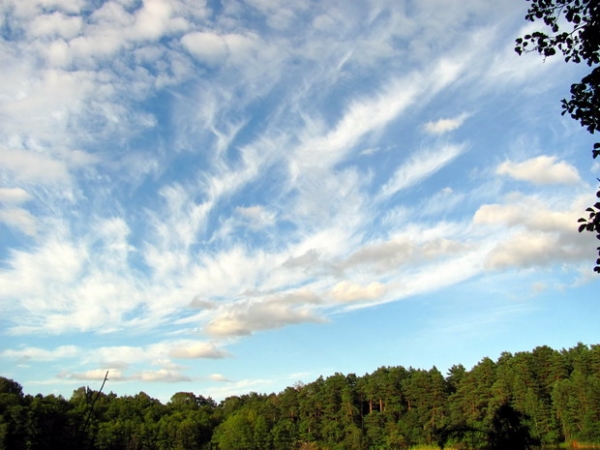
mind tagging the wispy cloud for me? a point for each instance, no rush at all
(419, 167)
(40, 354)
(20, 219)
(442, 126)
(93, 375)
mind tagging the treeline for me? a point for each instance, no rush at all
(544, 397)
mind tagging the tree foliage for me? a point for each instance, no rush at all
(578, 43)
(544, 396)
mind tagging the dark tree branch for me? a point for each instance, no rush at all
(92, 403)
(580, 44)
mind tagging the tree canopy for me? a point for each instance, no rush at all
(572, 28)
(520, 400)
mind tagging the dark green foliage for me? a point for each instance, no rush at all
(508, 431)
(39, 422)
(10, 387)
(543, 396)
(580, 42)
(592, 222)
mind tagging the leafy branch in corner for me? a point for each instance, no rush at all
(580, 42)
(592, 224)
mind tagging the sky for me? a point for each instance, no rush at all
(225, 197)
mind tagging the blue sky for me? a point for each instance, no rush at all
(225, 197)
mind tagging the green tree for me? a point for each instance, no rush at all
(310, 401)
(456, 373)
(288, 403)
(473, 404)
(188, 423)
(236, 433)
(508, 431)
(13, 416)
(8, 386)
(426, 393)
(49, 426)
(550, 395)
(384, 415)
(579, 42)
(340, 409)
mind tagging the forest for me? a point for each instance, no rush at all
(540, 398)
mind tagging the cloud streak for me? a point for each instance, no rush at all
(419, 167)
(442, 126)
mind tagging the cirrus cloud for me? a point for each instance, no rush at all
(442, 126)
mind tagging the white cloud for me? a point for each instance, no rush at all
(30, 8)
(62, 288)
(94, 375)
(122, 355)
(32, 274)
(96, 48)
(160, 375)
(528, 212)
(442, 126)
(256, 216)
(116, 374)
(122, 362)
(112, 15)
(382, 256)
(153, 20)
(540, 170)
(40, 354)
(248, 50)
(246, 317)
(197, 350)
(218, 377)
(537, 235)
(20, 219)
(56, 24)
(207, 47)
(532, 248)
(305, 260)
(280, 16)
(114, 235)
(27, 166)
(13, 195)
(346, 291)
(413, 246)
(158, 354)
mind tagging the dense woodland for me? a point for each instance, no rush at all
(548, 396)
